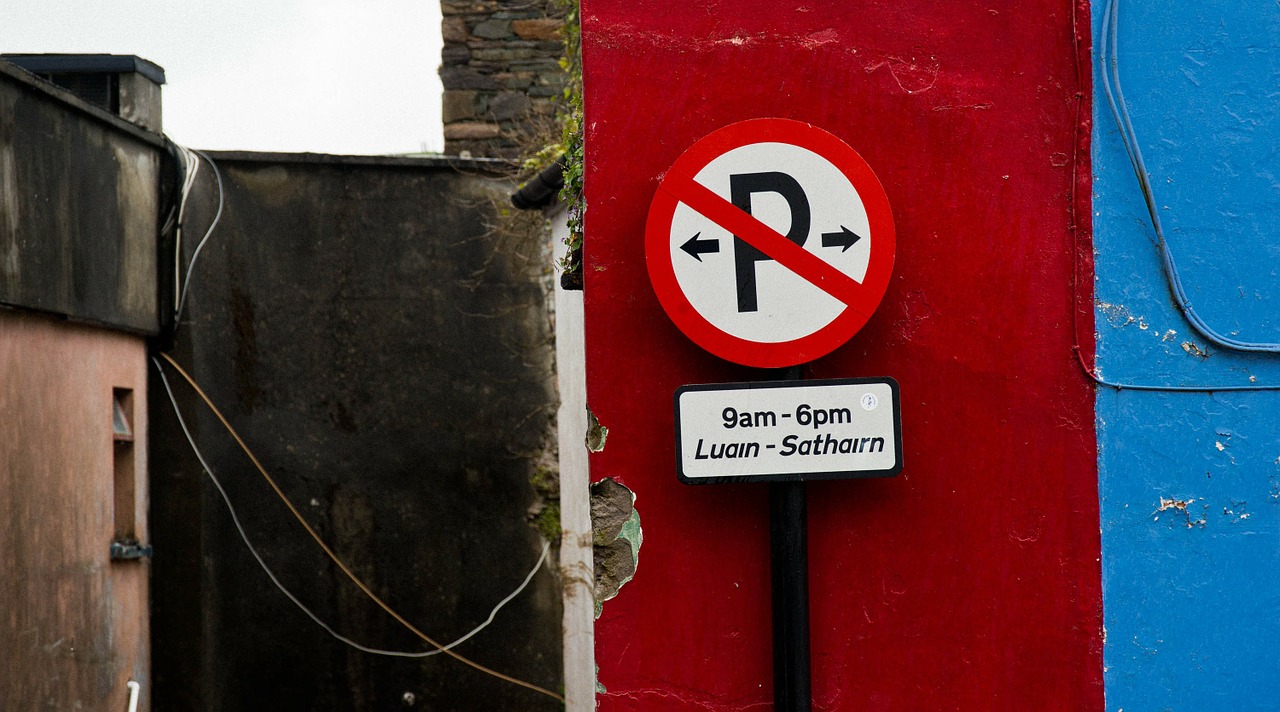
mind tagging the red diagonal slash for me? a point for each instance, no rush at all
(804, 263)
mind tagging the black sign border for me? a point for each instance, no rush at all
(798, 476)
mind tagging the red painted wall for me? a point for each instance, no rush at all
(971, 581)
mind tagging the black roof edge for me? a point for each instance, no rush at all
(88, 64)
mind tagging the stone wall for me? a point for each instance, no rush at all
(501, 73)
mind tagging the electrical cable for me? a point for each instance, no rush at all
(333, 556)
(190, 169)
(1120, 112)
(235, 519)
(186, 280)
(1108, 36)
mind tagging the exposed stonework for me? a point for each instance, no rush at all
(546, 29)
(616, 539)
(471, 130)
(501, 73)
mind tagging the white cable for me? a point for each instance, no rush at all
(186, 280)
(190, 167)
(546, 547)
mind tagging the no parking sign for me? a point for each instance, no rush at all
(770, 242)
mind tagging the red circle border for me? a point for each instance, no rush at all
(785, 353)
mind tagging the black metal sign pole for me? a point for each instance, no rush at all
(789, 567)
(789, 559)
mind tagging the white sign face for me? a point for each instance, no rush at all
(739, 289)
(788, 430)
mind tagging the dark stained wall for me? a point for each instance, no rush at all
(387, 354)
(78, 207)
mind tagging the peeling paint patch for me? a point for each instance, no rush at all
(1116, 314)
(1119, 317)
(949, 107)
(1178, 506)
(1029, 528)
(814, 40)
(916, 313)
(616, 539)
(596, 433)
(1195, 350)
(1238, 511)
(911, 75)
(736, 40)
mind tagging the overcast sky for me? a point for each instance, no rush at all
(331, 76)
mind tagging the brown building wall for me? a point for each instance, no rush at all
(74, 627)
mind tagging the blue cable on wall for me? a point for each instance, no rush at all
(1120, 112)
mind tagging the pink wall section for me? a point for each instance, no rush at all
(74, 623)
(971, 581)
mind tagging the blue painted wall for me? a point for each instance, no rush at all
(1190, 482)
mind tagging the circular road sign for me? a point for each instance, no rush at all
(770, 242)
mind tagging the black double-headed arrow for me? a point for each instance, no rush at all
(696, 247)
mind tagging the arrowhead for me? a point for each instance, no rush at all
(843, 239)
(696, 248)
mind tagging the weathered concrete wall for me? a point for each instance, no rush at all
(387, 354)
(74, 623)
(79, 207)
(1189, 479)
(501, 73)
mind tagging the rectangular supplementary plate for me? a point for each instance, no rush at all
(775, 431)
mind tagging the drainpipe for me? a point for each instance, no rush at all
(134, 688)
(577, 568)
